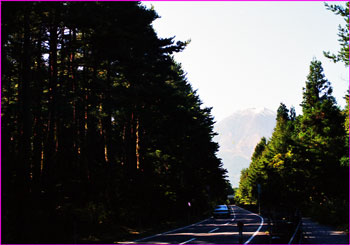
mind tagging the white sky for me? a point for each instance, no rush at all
(252, 54)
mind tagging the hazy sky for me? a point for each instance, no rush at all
(252, 54)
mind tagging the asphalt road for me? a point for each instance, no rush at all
(216, 231)
(314, 233)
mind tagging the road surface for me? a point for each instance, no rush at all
(314, 233)
(216, 231)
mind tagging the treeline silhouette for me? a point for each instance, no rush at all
(100, 127)
(303, 169)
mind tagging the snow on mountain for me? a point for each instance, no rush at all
(238, 136)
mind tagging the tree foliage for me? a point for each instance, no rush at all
(343, 34)
(303, 165)
(100, 126)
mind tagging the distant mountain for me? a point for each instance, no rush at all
(238, 136)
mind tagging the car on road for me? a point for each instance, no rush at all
(221, 211)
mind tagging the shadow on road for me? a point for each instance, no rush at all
(315, 233)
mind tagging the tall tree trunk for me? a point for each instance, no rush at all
(72, 74)
(50, 145)
(130, 145)
(25, 99)
(108, 119)
(38, 120)
(23, 167)
(137, 149)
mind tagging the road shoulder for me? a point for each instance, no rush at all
(314, 233)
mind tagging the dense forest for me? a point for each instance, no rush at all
(100, 128)
(304, 166)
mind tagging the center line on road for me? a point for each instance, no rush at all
(188, 241)
(234, 216)
(213, 230)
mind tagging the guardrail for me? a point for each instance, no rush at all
(297, 234)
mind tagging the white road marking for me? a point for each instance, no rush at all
(296, 230)
(160, 234)
(234, 216)
(256, 232)
(181, 228)
(188, 241)
(213, 230)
